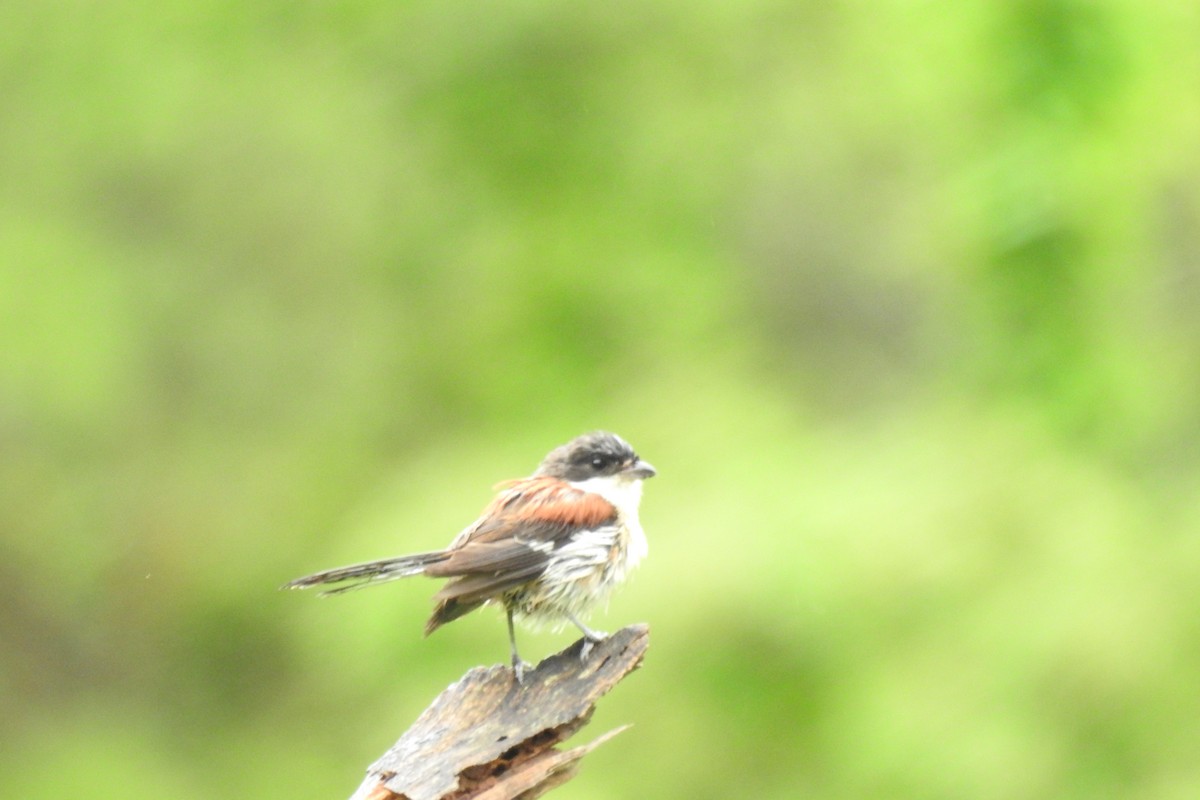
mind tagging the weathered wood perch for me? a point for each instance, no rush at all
(488, 737)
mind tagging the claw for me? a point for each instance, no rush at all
(591, 638)
(519, 667)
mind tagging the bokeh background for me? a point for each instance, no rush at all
(902, 299)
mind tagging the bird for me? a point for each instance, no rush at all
(548, 548)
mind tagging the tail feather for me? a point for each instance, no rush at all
(448, 611)
(388, 569)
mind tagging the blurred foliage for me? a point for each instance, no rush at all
(901, 298)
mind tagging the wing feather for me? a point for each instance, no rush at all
(512, 543)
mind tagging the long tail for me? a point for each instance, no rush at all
(388, 569)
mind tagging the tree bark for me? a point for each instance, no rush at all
(488, 737)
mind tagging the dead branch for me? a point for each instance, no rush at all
(488, 737)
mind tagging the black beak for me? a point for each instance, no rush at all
(640, 469)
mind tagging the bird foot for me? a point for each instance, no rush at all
(519, 667)
(591, 640)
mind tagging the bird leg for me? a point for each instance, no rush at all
(518, 665)
(591, 638)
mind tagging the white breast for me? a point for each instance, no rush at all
(625, 493)
(581, 572)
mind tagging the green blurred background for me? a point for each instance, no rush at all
(901, 298)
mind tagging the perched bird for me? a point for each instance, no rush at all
(549, 547)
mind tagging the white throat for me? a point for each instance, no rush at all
(623, 491)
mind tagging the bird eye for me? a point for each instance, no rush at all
(599, 461)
